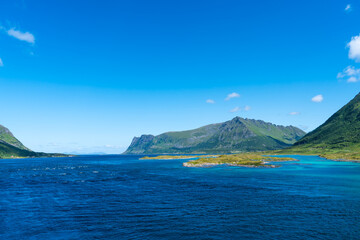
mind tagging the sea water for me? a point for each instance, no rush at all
(122, 197)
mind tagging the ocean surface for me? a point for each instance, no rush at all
(122, 197)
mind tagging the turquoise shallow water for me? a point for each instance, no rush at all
(122, 197)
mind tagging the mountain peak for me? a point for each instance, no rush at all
(237, 118)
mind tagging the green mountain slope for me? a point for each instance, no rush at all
(238, 134)
(10, 147)
(341, 131)
(7, 137)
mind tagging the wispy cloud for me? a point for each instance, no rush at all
(350, 74)
(354, 48)
(232, 95)
(318, 98)
(247, 108)
(113, 146)
(235, 109)
(294, 113)
(73, 147)
(1, 63)
(210, 101)
(303, 127)
(348, 8)
(23, 36)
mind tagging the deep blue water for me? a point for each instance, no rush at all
(121, 197)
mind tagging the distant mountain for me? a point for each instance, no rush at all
(236, 135)
(10, 147)
(340, 131)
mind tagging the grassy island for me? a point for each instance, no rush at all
(170, 157)
(243, 160)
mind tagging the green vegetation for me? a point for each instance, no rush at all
(243, 159)
(7, 151)
(236, 135)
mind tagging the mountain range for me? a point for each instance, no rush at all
(236, 135)
(340, 133)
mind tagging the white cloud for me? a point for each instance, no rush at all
(1, 63)
(247, 108)
(348, 8)
(23, 36)
(232, 95)
(294, 113)
(318, 98)
(354, 48)
(235, 109)
(350, 74)
(210, 101)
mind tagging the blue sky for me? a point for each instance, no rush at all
(87, 76)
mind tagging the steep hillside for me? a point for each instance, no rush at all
(340, 131)
(7, 137)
